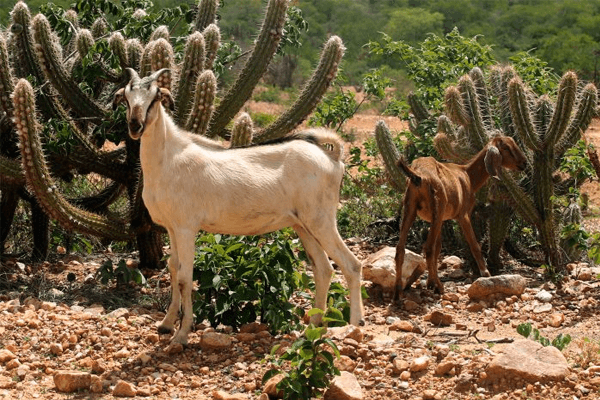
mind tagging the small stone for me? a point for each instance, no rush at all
(72, 381)
(215, 341)
(543, 296)
(402, 325)
(556, 320)
(124, 389)
(439, 318)
(6, 355)
(419, 364)
(344, 387)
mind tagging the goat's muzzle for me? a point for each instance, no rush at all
(136, 128)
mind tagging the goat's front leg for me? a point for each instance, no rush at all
(408, 217)
(168, 322)
(467, 228)
(185, 249)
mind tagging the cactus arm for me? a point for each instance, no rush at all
(162, 32)
(206, 88)
(564, 106)
(520, 115)
(6, 80)
(311, 94)
(243, 129)
(48, 52)
(266, 45)
(483, 97)
(475, 120)
(212, 41)
(453, 104)
(207, 14)
(518, 199)
(193, 60)
(162, 56)
(11, 172)
(588, 100)
(117, 45)
(390, 155)
(41, 183)
(417, 107)
(450, 150)
(134, 50)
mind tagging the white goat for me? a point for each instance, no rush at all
(192, 183)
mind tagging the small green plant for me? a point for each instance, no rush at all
(588, 352)
(526, 330)
(311, 364)
(240, 278)
(122, 274)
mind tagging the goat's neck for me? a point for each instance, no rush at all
(476, 170)
(154, 142)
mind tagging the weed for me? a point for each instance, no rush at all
(560, 342)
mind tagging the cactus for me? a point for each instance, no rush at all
(194, 87)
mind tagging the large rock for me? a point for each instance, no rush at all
(344, 387)
(72, 381)
(508, 285)
(529, 361)
(215, 341)
(380, 267)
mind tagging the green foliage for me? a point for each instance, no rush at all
(560, 342)
(334, 110)
(540, 78)
(240, 278)
(435, 63)
(121, 274)
(577, 238)
(577, 164)
(311, 365)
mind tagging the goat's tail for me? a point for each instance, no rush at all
(327, 140)
(414, 178)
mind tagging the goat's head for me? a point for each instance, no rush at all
(503, 151)
(143, 98)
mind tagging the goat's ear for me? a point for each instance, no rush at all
(118, 98)
(493, 161)
(167, 99)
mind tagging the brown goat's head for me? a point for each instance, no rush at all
(503, 151)
(142, 96)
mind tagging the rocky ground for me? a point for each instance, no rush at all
(63, 335)
(74, 336)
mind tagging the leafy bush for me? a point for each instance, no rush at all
(311, 365)
(121, 274)
(240, 278)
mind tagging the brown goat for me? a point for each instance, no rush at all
(438, 192)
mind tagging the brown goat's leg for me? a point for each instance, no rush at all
(432, 249)
(467, 228)
(408, 217)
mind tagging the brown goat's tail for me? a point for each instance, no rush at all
(414, 178)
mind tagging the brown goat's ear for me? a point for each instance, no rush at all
(167, 99)
(493, 161)
(118, 98)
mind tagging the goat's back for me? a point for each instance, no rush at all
(445, 184)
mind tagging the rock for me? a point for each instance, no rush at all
(72, 381)
(502, 284)
(400, 365)
(543, 308)
(585, 274)
(402, 325)
(221, 395)
(445, 367)
(254, 327)
(344, 387)
(119, 313)
(6, 355)
(410, 305)
(556, 320)
(543, 296)
(419, 364)
(345, 332)
(529, 361)
(429, 394)
(457, 274)
(439, 318)
(270, 387)
(215, 341)
(380, 267)
(452, 262)
(124, 389)
(345, 363)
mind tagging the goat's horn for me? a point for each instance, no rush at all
(133, 75)
(158, 73)
(493, 161)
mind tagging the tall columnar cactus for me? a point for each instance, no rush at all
(194, 88)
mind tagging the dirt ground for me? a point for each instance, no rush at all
(55, 316)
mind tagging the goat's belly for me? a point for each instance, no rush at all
(251, 224)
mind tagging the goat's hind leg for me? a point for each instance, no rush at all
(322, 270)
(168, 322)
(325, 233)
(409, 215)
(186, 251)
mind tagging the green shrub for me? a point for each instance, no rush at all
(240, 278)
(560, 342)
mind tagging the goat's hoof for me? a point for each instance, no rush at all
(362, 322)
(175, 348)
(164, 330)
